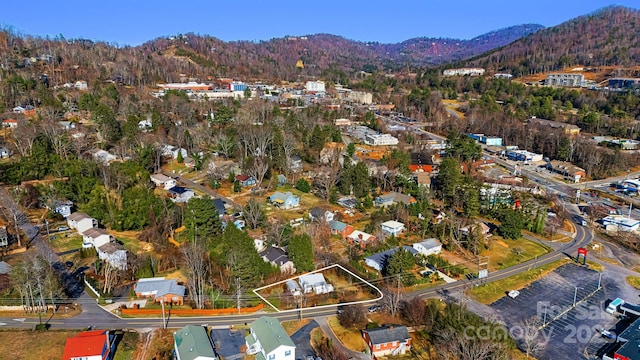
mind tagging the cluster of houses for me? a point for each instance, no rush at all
(265, 340)
(107, 247)
(426, 247)
(176, 193)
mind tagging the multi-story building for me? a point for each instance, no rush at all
(315, 86)
(564, 79)
(463, 71)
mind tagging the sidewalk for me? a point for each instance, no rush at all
(446, 279)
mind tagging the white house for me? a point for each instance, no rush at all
(314, 283)
(168, 150)
(428, 247)
(95, 237)
(145, 124)
(81, 85)
(63, 208)
(81, 222)
(113, 253)
(315, 86)
(163, 180)
(180, 194)
(392, 227)
(320, 214)
(380, 139)
(5, 153)
(269, 341)
(103, 156)
(10, 123)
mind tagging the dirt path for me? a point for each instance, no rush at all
(145, 344)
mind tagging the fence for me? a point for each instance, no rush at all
(192, 312)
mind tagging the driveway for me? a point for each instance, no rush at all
(322, 322)
(302, 339)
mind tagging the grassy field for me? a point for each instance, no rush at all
(493, 291)
(66, 241)
(634, 281)
(28, 345)
(506, 253)
(351, 339)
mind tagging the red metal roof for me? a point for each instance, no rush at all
(88, 343)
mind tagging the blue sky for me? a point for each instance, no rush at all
(133, 22)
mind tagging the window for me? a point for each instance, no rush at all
(272, 357)
(377, 346)
(287, 353)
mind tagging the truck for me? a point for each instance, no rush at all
(614, 305)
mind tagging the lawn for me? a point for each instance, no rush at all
(351, 339)
(292, 326)
(634, 281)
(493, 291)
(506, 253)
(66, 241)
(27, 345)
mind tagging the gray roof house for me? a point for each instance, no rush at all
(192, 343)
(159, 288)
(278, 257)
(228, 344)
(268, 340)
(428, 247)
(387, 340)
(379, 261)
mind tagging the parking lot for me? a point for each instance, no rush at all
(567, 332)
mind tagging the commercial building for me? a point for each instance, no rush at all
(380, 140)
(523, 155)
(620, 223)
(314, 86)
(565, 80)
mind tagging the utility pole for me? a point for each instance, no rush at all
(164, 324)
(238, 293)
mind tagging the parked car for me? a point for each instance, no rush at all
(63, 228)
(374, 308)
(514, 294)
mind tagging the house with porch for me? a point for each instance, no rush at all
(315, 283)
(393, 198)
(268, 340)
(95, 237)
(321, 214)
(387, 340)
(81, 222)
(113, 253)
(90, 345)
(192, 343)
(392, 227)
(167, 291)
(284, 200)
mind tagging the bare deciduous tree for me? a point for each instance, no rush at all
(196, 267)
(23, 137)
(253, 213)
(326, 178)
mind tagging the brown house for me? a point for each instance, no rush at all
(161, 290)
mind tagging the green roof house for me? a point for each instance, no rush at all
(269, 341)
(192, 343)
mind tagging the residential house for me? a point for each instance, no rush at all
(361, 238)
(5, 268)
(295, 163)
(5, 153)
(145, 125)
(173, 151)
(113, 253)
(163, 180)
(4, 236)
(422, 162)
(81, 222)
(90, 345)
(284, 200)
(315, 283)
(268, 340)
(278, 257)
(18, 110)
(259, 243)
(95, 237)
(567, 169)
(160, 289)
(67, 125)
(428, 247)
(63, 207)
(484, 229)
(394, 198)
(220, 207)
(321, 214)
(392, 227)
(388, 340)
(102, 156)
(228, 344)
(10, 123)
(340, 228)
(246, 180)
(180, 194)
(379, 260)
(282, 180)
(81, 85)
(192, 343)
(423, 179)
(293, 287)
(437, 216)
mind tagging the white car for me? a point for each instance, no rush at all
(514, 294)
